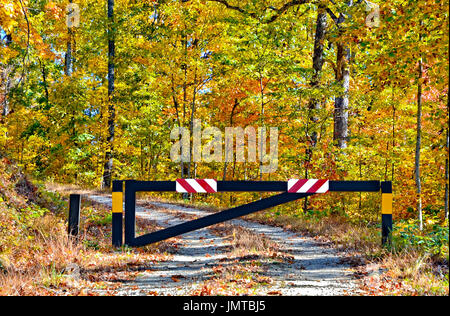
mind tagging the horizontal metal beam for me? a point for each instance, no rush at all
(254, 186)
(355, 186)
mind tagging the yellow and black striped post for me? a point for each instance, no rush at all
(117, 213)
(386, 212)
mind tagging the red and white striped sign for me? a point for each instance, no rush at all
(196, 186)
(308, 186)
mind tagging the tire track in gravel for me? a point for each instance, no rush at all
(313, 270)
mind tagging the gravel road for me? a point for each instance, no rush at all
(313, 270)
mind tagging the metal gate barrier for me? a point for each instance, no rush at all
(292, 190)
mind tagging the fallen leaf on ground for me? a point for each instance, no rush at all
(177, 277)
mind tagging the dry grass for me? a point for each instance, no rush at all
(245, 241)
(38, 263)
(407, 272)
(36, 253)
(39, 259)
(13, 283)
(335, 230)
(66, 189)
(418, 271)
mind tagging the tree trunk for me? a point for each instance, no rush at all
(261, 122)
(109, 154)
(186, 167)
(446, 166)
(225, 165)
(44, 81)
(341, 101)
(6, 79)
(314, 104)
(393, 143)
(418, 146)
(68, 57)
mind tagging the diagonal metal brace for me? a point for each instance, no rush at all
(216, 218)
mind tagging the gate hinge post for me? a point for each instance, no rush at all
(117, 213)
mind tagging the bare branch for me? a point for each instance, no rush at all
(26, 56)
(236, 8)
(285, 7)
(279, 11)
(332, 15)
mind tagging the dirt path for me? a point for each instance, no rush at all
(311, 269)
